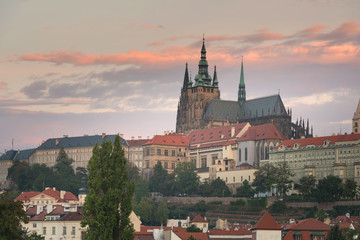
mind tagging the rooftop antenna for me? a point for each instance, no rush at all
(12, 144)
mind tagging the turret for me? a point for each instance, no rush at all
(186, 78)
(203, 78)
(215, 81)
(242, 92)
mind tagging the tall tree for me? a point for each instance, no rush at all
(141, 189)
(349, 189)
(219, 188)
(187, 181)
(157, 180)
(64, 173)
(108, 206)
(329, 189)
(307, 185)
(245, 190)
(162, 213)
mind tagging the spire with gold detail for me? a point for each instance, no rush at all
(203, 78)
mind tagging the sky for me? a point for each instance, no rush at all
(92, 67)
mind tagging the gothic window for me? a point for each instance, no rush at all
(239, 154)
(246, 154)
(266, 152)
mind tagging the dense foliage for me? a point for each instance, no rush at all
(108, 205)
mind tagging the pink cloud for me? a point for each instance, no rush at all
(3, 85)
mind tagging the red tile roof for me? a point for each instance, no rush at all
(39, 217)
(182, 234)
(26, 196)
(229, 232)
(309, 224)
(58, 210)
(138, 142)
(259, 132)
(169, 140)
(267, 222)
(49, 191)
(215, 134)
(319, 141)
(289, 236)
(72, 216)
(198, 218)
(31, 210)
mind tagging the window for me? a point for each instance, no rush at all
(64, 230)
(44, 230)
(246, 154)
(34, 225)
(147, 164)
(159, 152)
(165, 165)
(203, 162)
(166, 152)
(172, 165)
(53, 230)
(239, 154)
(73, 231)
(179, 149)
(214, 158)
(172, 152)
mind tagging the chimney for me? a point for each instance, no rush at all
(65, 136)
(103, 135)
(62, 194)
(54, 188)
(49, 209)
(139, 137)
(39, 209)
(57, 142)
(132, 137)
(164, 133)
(232, 131)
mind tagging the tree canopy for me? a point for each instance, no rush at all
(108, 205)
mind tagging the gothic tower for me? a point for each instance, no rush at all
(356, 120)
(195, 97)
(242, 92)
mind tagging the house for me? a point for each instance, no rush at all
(200, 222)
(266, 229)
(50, 196)
(232, 234)
(306, 229)
(184, 223)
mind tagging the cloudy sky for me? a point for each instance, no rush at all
(91, 67)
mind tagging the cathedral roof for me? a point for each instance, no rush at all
(259, 132)
(232, 110)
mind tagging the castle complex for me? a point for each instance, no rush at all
(200, 106)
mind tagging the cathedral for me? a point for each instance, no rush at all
(200, 106)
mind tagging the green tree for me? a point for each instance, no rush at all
(157, 180)
(219, 188)
(193, 228)
(245, 190)
(307, 185)
(349, 189)
(187, 181)
(141, 189)
(205, 188)
(11, 217)
(18, 173)
(335, 233)
(64, 173)
(108, 205)
(328, 189)
(144, 209)
(162, 213)
(169, 187)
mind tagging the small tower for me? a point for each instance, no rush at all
(215, 80)
(356, 120)
(242, 92)
(82, 191)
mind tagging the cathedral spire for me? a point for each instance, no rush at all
(215, 80)
(242, 92)
(186, 78)
(203, 78)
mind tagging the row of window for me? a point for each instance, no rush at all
(53, 230)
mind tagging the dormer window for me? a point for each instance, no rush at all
(296, 145)
(326, 143)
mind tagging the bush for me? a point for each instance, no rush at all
(215, 203)
(238, 202)
(278, 206)
(259, 202)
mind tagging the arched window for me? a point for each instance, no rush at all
(266, 152)
(246, 154)
(239, 154)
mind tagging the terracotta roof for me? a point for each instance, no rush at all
(198, 218)
(182, 234)
(289, 236)
(145, 230)
(215, 134)
(70, 196)
(266, 222)
(24, 196)
(229, 232)
(319, 141)
(259, 132)
(206, 145)
(72, 216)
(58, 210)
(39, 217)
(52, 193)
(169, 140)
(31, 210)
(309, 224)
(138, 142)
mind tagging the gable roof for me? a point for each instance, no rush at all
(260, 132)
(319, 141)
(169, 140)
(198, 218)
(309, 224)
(82, 141)
(183, 235)
(216, 134)
(24, 196)
(267, 222)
